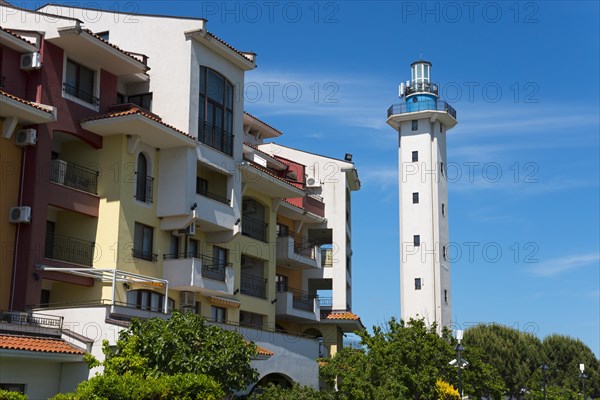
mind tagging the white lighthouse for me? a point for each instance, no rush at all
(422, 121)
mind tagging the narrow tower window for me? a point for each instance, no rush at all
(416, 198)
(415, 156)
(441, 128)
(415, 124)
(417, 240)
(445, 296)
(417, 283)
(444, 252)
(443, 210)
(442, 168)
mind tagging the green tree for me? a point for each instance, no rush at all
(404, 360)
(183, 344)
(296, 392)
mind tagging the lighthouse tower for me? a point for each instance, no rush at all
(422, 121)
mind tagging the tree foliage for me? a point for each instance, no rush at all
(404, 360)
(185, 343)
(128, 386)
(296, 392)
(445, 391)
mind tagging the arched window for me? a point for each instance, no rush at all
(215, 111)
(144, 181)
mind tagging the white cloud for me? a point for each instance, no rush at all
(557, 266)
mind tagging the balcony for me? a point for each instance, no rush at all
(310, 203)
(144, 254)
(215, 137)
(74, 176)
(325, 302)
(298, 252)
(327, 258)
(198, 273)
(297, 305)
(27, 323)
(410, 107)
(69, 249)
(81, 94)
(144, 188)
(255, 229)
(254, 286)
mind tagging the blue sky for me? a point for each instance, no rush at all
(524, 79)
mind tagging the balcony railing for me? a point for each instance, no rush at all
(212, 268)
(304, 246)
(81, 94)
(144, 188)
(300, 300)
(69, 249)
(422, 87)
(254, 228)
(21, 318)
(144, 254)
(411, 106)
(75, 176)
(325, 301)
(215, 137)
(253, 286)
(214, 196)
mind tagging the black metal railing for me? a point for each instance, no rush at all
(75, 176)
(212, 268)
(69, 249)
(144, 254)
(325, 301)
(422, 87)
(215, 137)
(411, 106)
(253, 286)
(214, 196)
(20, 318)
(81, 94)
(144, 188)
(254, 228)
(300, 299)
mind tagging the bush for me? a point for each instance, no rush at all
(6, 395)
(136, 387)
(296, 392)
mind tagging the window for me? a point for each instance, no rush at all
(442, 168)
(218, 314)
(444, 252)
(13, 387)
(441, 128)
(44, 298)
(416, 198)
(201, 186)
(282, 230)
(251, 320)
(142, 242)
(173, 247)
(415, 124)
(144, 182)
(215, 111)
(415, 156)
(417, 240)
(148, 300)
(120, 98)
(445, 296)
(418, 283)
(193, 248)
(281, 283)
(141, 100)
(80, 82)
(443, 210)
(220, 256)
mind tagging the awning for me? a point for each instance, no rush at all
(223, 301)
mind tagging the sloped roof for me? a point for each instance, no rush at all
(38, 344)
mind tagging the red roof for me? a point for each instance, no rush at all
(15, 35)
(262, 122)
(138, 111)
(228, 45)
(112, 45)
(264, 352)
(20, 100)
(269, 172)
(346, 315)
(38, 344)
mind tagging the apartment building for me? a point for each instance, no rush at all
(149, 189)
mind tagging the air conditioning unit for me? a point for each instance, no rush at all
(190, 230)
(30, 61)
(26, 137)
(18, 215)
(187, 299)
(188, 309)
(311, 182)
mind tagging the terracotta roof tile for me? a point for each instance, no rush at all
(15, 35)
(262, 122)
(264, 352)
(114, 46)
(267, 171)
(38, 344)
(345, 315)
(138, 111)
(20, 100)
(228, 45)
